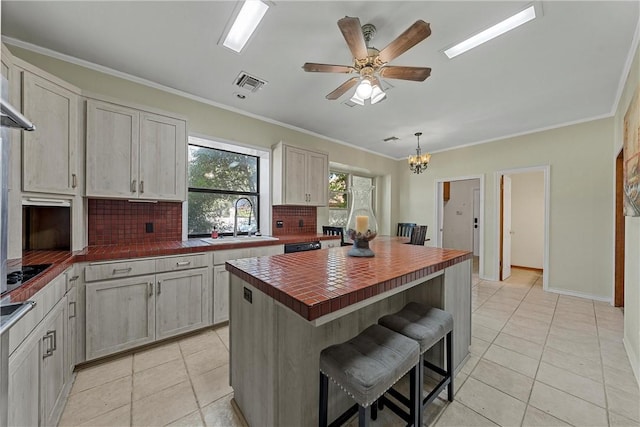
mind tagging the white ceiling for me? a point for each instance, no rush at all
(563, 67)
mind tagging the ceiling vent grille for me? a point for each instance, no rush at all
(248, 82)
(391, 139)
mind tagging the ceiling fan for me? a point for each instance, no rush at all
(371, 63)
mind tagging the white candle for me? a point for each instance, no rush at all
(362, 223)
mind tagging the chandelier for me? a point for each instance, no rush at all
(419, 162)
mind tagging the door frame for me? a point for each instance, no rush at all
(619, 232)
(439, 214)
(546, 169)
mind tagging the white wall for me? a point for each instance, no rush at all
(527, 219)
(581, 196)
(458, 215)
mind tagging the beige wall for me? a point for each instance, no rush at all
(527, 219)
(581, 196)
(224, 125)
(632, 235)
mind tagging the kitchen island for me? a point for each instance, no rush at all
(285, 309)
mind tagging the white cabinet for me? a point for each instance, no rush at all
(132, 153)
(72, 335)
(220, 294)
(136, 302)
(49, 155)
(182, 302)
(37, 372)
(120, 314)
(300, 176)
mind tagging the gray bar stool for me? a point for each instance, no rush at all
(365, 367)
(426, 325)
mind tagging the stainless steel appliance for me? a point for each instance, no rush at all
(10, 313)
(301, 247)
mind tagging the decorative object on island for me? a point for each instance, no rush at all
(419, 162)
(362, 226)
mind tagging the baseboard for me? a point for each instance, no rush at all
(537, 270)
(634, 359)
(579, 294)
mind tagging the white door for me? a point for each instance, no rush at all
(506, 227)
(476, 222)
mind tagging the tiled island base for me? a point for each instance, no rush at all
(274, 352)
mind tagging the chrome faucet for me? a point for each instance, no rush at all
(235, 215)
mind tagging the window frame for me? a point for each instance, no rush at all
(237, 193)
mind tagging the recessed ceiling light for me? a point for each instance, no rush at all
(490, 33)
(245, 24)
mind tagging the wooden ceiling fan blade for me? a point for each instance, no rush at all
(326, 68)
(417, 32)
(417, 74)
(352, 33)
(343, 88)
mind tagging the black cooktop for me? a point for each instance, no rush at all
(20, 277)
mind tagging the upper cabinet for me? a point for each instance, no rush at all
(132, 153)
(300, 176)
(49, 155)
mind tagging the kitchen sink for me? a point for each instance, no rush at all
(239, 239)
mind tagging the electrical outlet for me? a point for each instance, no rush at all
(248, 295)
(279, 224)
(148, 227)
(300, 223)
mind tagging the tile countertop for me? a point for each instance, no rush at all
(61, 260)
(317, 283)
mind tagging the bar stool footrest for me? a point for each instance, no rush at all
(436, 369)
(399, 397)
(346, 415)
(436, 391)
(396, 409)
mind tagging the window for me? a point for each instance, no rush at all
(218, 181)
(339, 201)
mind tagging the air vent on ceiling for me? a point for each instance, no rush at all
(391, 139)
(248, 82)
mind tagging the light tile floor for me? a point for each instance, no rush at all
(537, 359)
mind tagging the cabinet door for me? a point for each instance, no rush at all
(220, 294)
(112, 150)
(182, 302)
(318, 178)
(163, 151)
(49, 154)
(120, 315)
(54, 365)
(24, 382)
(71, 338)
(295, 172)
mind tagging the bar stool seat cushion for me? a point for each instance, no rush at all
(427, 325)
(367, 365)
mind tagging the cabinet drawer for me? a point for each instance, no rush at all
(181, 262)
(220, 257)
(115, 270)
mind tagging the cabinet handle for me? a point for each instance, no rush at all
(141, 187)
(55, 340)
(122, 270)
(159, 290)
(74, 180)
(182, 263)
(74, 278)
(72, 304)
(150, 285)
(48, 351)
(133, 186)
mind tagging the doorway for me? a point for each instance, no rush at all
(460, 217)
(523, 221)
(618, 292)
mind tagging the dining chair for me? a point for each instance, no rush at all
(405, 228)
(418, 235)
(328, 230)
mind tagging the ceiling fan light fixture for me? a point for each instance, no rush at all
(356, 99)
(377, 95)
(364, 89)
(490, 33)
(245, 24)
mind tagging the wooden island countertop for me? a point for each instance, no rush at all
(317, 283)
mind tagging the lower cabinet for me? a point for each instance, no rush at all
(220, 294)
(37, 372)
(182, 302)
(128, 312)
(120, 315)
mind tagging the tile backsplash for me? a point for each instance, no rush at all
(291, 217)
(113, 222)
